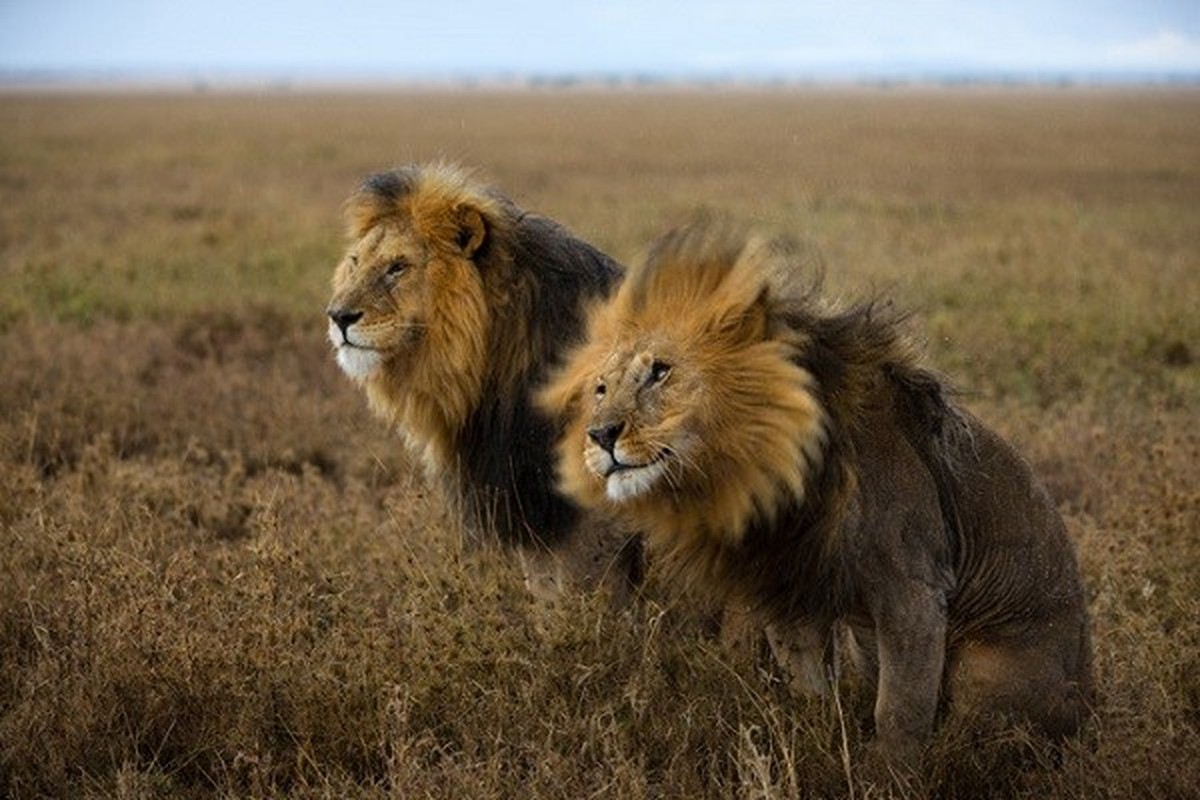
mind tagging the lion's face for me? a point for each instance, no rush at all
(381, 299)
(394, 290)
(642, 430)
(702, 426)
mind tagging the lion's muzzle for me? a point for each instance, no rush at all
(606, 435)
(343, 318)
(356, 359)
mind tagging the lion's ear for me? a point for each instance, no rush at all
(744, 323)
(472, 233)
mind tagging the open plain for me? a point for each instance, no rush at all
(219, 576)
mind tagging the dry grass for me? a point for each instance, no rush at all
(219, 577)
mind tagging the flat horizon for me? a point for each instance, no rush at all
(217, 79)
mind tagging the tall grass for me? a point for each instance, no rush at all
(220, 577)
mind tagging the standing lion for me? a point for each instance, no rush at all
(798, 460)
(447, 308)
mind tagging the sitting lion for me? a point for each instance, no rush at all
(799, 461)
(447, 307)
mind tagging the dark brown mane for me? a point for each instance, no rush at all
(506, 464)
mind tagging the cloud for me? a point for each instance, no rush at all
(1165, 50)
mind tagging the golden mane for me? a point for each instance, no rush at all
(432, 196)
(707, 288)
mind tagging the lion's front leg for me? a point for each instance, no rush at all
(910, 635)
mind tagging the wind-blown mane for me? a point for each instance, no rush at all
(792, 380)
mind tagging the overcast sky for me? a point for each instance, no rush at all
(304, 38)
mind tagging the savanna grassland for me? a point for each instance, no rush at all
(220, 577)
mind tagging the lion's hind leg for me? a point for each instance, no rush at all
(1044, 682)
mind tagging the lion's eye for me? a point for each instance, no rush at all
(601, 389)
(659, 371)
(396, 267)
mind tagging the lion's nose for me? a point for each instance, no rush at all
(606, 435)
(344, 318)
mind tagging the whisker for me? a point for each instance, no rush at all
(689, 462)
(674, 464)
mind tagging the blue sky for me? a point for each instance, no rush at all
(359, 38)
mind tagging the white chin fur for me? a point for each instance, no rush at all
(629, 483)
(357, 362)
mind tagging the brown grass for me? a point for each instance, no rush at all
(219, 577)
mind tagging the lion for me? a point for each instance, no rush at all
(447, 307)
(797, 459)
